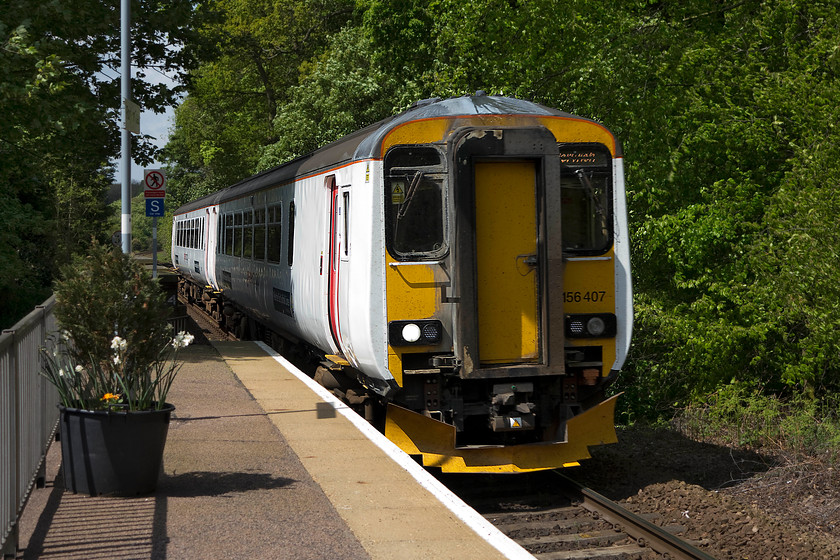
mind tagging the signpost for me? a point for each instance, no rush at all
(154, 181)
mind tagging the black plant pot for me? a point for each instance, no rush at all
(113, 453)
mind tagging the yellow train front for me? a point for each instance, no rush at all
(507, 284)
(462, 267)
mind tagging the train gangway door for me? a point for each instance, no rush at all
(506, 253)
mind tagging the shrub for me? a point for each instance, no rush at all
(117, 349)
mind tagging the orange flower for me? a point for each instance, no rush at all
(110, 397)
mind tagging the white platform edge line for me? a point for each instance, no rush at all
(462, 511)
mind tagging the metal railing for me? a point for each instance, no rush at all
(28, 416)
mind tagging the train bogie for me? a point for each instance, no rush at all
(466, 262)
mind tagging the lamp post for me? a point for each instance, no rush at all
(125, 94)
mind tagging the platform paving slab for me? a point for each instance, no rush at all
(390, 514)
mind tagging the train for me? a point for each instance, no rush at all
(461, 271)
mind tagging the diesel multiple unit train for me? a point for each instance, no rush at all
(462, 268)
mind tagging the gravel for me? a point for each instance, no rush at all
(733, 503)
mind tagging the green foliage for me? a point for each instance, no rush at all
(114, 317)
(59, 97)
(739, 415)
(338, 94)
(727, 114)
(108, 293)
(255, 50)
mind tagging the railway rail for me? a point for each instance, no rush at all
(555, 518)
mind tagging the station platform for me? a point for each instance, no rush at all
(262, 463)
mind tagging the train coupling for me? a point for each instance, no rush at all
(511, 407)
(447, 362)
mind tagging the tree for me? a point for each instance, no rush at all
(59, 94)
(236, 93)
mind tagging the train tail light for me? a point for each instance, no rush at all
(596, 325)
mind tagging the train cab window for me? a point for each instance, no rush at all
(259, 234)
(248, 234)
(275, 232)
(237, 234)
(586, 187)
(415, 203)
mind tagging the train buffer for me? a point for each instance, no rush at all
(260, 465)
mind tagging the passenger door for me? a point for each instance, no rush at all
(507, 279)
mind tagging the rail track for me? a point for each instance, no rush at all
(554, 518)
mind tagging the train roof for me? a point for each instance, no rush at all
(366, 143)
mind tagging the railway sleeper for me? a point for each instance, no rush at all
(622, 552)
(546, 528)
(588, 539)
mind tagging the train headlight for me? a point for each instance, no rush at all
(594, 325)
(414, 333)
(411, 332)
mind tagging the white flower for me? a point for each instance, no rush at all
(61, 372)
(182, 340)
(79, 368)
(118, 344)
(116, 360)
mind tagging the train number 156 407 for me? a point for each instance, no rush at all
(577, 297)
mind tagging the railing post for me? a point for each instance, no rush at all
(41, 476)
(24, 432)
(10, 537)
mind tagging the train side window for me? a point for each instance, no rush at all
(275, 232)
(415, 203)
(259, 234)
(191, 237)
(290, 255)
(229, 234)
(220, 234)
(586, 198)
(237, 234)
(248, 234)
(201, 234)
